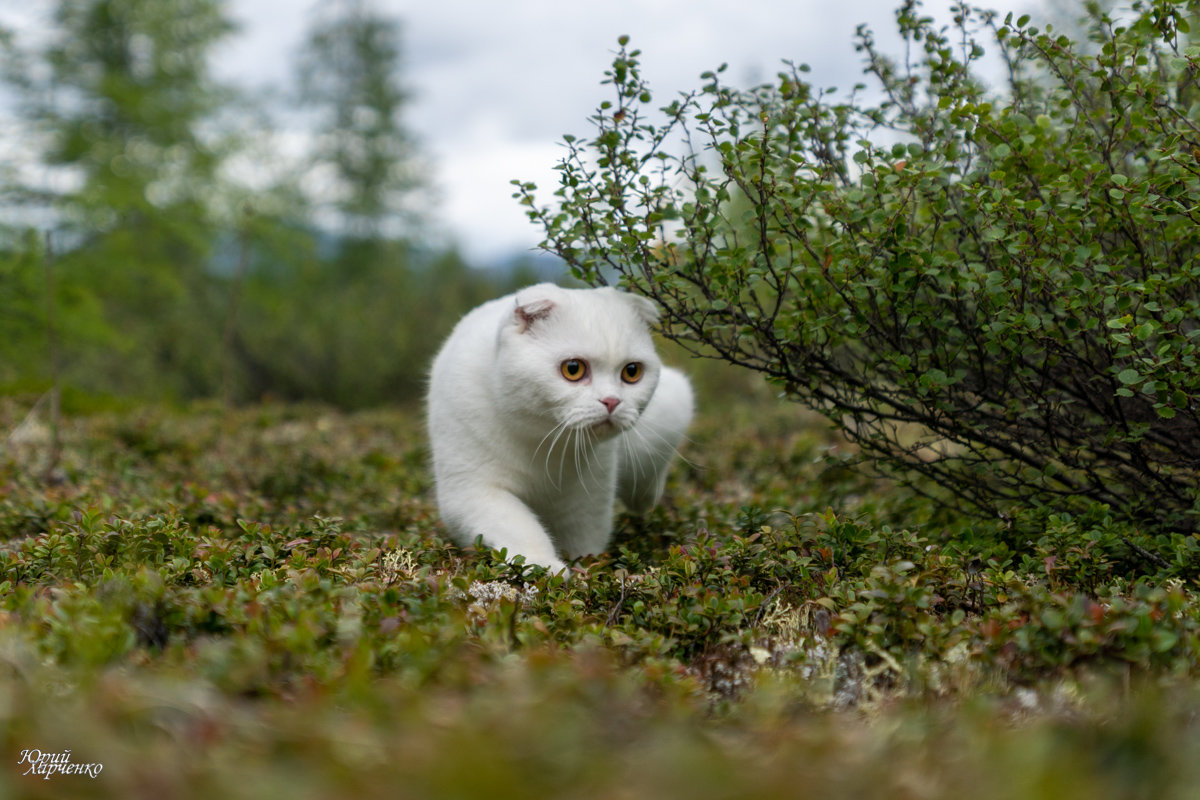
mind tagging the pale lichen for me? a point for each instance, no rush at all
(487, 596)
(396, 565)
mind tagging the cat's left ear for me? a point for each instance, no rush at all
(530, 311)
(645, 308)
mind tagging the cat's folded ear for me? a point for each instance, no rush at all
(645, 308)
(530, 309)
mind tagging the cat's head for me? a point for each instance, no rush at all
(579, 358)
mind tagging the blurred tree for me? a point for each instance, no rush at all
(349, 75)
(313, 334)
(185, 268)
(22, 315)
(119, 97)
(355, 320)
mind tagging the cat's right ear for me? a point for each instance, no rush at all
(645, 308)
(531, 311)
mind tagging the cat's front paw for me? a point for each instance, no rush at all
(551, 563)
(556, 567)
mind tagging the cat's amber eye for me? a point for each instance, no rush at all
(573, 369)
(632, 372)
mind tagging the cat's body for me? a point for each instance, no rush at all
(544, 407)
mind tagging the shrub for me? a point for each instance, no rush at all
(996, 290)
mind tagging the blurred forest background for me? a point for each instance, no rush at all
(159, 244)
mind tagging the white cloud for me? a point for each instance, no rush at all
(476, 195)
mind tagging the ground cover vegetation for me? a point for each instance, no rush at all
(258, 603)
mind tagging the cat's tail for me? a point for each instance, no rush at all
(646, 450)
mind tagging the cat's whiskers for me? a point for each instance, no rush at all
(628, 445)
(570, 426)
(589, 456)
(580, 439)
(643, 431)
(557, 432)
(578, 433)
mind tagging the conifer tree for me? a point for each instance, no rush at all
(119, 99)
(349, 71)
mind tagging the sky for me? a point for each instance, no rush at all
(496, 85)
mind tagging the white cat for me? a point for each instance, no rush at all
(544, 406)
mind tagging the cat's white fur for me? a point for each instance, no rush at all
(531, 461)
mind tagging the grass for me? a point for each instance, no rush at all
(257, 604)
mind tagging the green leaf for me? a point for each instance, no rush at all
(1163, 640)
(1129, 376)
(1053, 619)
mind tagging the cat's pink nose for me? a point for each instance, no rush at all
(610, 403)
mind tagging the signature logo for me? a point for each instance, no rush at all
(50, 764)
